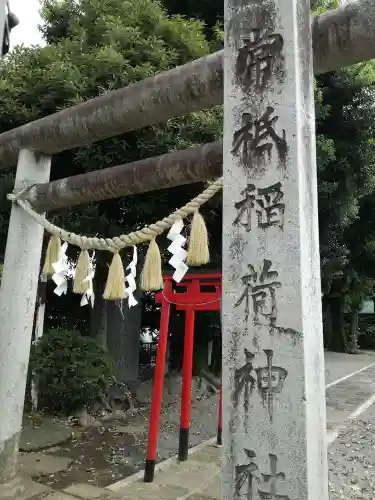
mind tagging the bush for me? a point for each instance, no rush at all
(71, 371)
(367, 337)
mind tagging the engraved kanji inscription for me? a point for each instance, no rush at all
(254, 141)
(270, 487)
(251, 484)
(270, 212)
(265, 202)
(245, 476)
(270, 381)
(260, 290)
(244, 381)
(259, 59)
(245, 207)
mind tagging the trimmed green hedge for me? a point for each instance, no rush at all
(71, 371)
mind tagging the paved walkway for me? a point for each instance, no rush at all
(350, 393)
(196, 479)
(351, 468)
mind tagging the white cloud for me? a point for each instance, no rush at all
(26, 32)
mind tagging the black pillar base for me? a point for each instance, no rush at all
(219, 440)
(183, 448)
(149, 471)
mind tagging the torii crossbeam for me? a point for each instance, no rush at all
(271, 289)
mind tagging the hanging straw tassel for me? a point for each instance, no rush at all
(52, 254)
(115, 286)
(82, 271)
(152, 278)
(198, 252)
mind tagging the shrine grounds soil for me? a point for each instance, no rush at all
(112, 451)
(101, 456)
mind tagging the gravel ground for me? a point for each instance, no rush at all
(352, 461)
(101, 456)
(203, 424)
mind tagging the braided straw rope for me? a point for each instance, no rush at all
(117, 243)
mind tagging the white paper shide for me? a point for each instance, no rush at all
(89, 297)
(62, 272)
(179, 254)
(130, 278)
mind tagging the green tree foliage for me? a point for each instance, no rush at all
(71, 370)
(346, 169)
(95, 46)
(345, 161)
(208, 11)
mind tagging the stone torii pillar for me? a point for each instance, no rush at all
(17, 307)
(273, 364)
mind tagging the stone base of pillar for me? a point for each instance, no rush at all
(21, 488)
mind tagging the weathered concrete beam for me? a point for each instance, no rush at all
(341, 37)
(17, 306)
(271, 337)
(177, 92)
(166, 171)
(344, 36)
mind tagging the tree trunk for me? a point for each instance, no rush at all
(327, 323)
(177, 332)
(354, 331)
(123, 340)
(339, 342)
(98, 314)
(216, 355)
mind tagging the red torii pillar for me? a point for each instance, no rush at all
(194, 298)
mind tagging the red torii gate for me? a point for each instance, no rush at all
(195, 298)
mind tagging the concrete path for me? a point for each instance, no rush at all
(196, 479)
(350, 382)
(350, 393)
(45, 433)
(352, 460)
(340, 366)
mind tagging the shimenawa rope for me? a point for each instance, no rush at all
(151, 279)
(117, 243)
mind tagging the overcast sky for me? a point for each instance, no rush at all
(27, 31)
